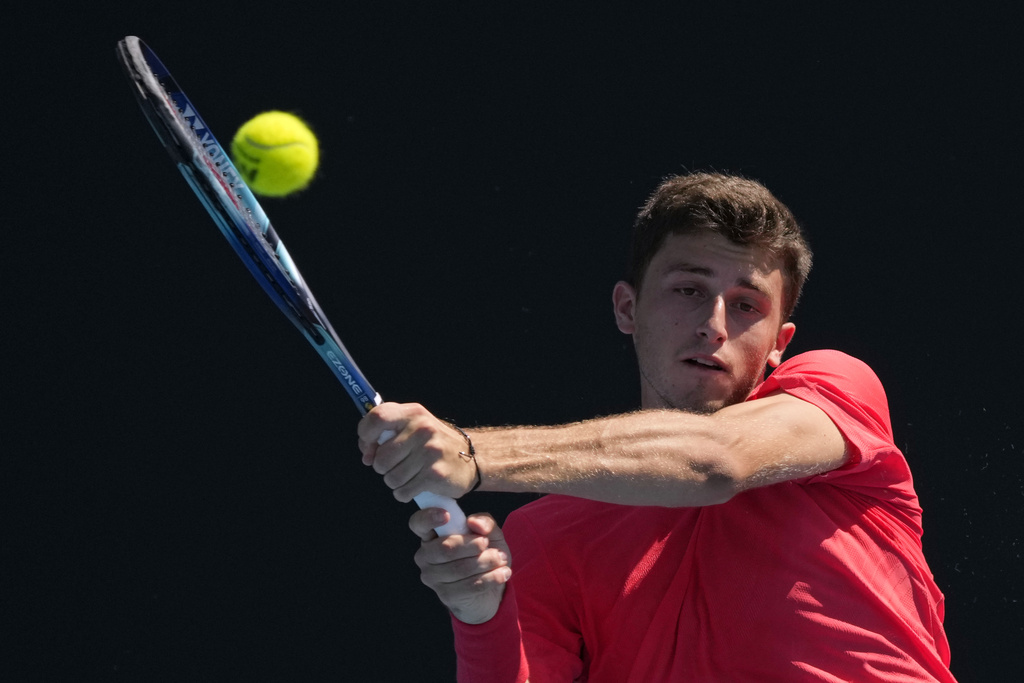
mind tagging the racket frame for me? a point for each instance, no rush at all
(208, 169)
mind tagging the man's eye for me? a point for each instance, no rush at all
(687, 291)
(746, 307)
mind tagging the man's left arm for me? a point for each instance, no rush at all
(650, 457)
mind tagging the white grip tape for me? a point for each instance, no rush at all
(456, 517)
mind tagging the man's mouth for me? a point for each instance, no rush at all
(705, 363)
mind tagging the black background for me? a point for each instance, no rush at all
(183, 494)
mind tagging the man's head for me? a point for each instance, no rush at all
(741, 210)
(717, 267)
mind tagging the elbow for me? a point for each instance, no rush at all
(718, 469)
(714, 482)
(718, 488)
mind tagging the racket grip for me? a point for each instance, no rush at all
(456, 517)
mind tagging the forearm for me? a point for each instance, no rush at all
(666, 458)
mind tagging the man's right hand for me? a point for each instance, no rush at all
(421, 453)
(467, 571)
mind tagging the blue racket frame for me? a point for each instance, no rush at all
(218, 184)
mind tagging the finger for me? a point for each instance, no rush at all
(399, 469)
(394, 452)
(498, 575)
(492, 566)
(380, 419)
(482, 523)
(368, 450)
(369, 427)
(423, 522)
(410, 478)
(447, 549)
(389, 416)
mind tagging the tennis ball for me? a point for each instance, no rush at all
(276, 153)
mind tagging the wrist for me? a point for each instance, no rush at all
(493, 445)
(468, 455)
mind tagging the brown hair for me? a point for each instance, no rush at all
(742, 210)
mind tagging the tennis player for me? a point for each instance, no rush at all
(740, 526)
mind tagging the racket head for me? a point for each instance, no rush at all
(207, 167)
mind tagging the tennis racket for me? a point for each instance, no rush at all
(221, 189)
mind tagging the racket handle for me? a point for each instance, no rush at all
(456, 517)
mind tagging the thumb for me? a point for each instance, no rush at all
(423, 522)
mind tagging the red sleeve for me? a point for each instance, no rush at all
(535, 633)
(492, 652)
(850, 393)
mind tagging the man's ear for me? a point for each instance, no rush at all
(624, 303)
(785, 336)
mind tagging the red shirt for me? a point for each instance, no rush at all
(820, 578)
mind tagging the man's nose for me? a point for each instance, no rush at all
(713, 327)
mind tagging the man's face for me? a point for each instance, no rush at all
(706, 321)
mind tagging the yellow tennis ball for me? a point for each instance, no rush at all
(276, 153)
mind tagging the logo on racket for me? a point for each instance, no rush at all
(355, 386)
